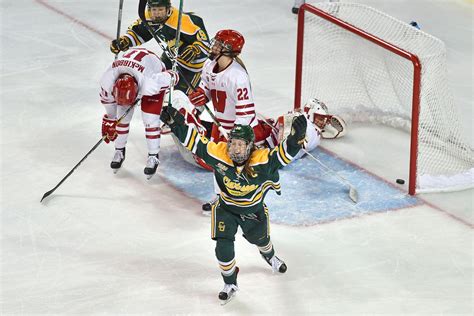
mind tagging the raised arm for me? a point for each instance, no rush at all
(285, 152)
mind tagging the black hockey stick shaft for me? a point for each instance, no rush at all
(72, 170)
(119, 23)
(83, 158)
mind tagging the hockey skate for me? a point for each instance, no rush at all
(227, 293)
(207, 207)
(229, 290)
(151, 165)
(118, 159)
(276, 263)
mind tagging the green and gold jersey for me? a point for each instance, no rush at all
(193, 32)
(240, 193)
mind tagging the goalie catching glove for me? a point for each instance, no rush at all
(122, 44)
(298, 132)
(171, 117)
(109, 131)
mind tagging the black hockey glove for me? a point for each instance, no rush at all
(171, 117)
(298, 132)
(122, 45)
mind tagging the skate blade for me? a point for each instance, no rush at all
(149, 176)
(206, 213)
(115, 170)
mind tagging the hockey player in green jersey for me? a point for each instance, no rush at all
(194, 44)
(244, 175)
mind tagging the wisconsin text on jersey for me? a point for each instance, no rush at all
(128, 63)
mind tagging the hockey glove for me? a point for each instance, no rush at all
(171, 117)
(198, 97)
(189, 53)
(108, 129)
(298, 132)
(121, 45)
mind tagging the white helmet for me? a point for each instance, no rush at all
(316, 111)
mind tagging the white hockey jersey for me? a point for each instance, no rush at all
(231, 94)
(144, 66)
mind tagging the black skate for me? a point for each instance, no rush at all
(206, 207)
(276, 263)
(118, 159)
(229, 290)
(151, 165)
(295, 10)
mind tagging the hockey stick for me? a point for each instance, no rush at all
(119, 22)
(353, 194)
(176, 48)
(84, 158)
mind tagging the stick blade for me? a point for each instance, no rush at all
(46, 195)
(353, 194)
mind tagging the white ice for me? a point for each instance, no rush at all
(119, 244)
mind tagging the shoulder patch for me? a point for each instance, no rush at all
(259, 157)
(219, 152)
(187, 25)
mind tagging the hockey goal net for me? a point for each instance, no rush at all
(370, 67)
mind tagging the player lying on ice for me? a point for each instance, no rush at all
(320, 124)
(244, 175)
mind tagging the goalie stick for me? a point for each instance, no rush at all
(353, 194)
(84, 158)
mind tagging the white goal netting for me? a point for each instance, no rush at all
(365, 82)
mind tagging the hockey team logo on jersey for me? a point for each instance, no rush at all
(221, 226)
(201, 35)
(236, 189)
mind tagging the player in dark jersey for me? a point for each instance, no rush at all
(194, 43)
(244, 175)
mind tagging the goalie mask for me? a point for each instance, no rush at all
(317, 112)
(227, 43)
(125, 90)
(160, 10)
(240, 143)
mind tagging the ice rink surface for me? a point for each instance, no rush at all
(119, 244)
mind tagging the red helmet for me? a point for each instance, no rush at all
(232, 42)
(125, 90)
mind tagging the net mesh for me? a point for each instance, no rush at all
(364, 82)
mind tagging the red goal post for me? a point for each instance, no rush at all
(369, 67)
